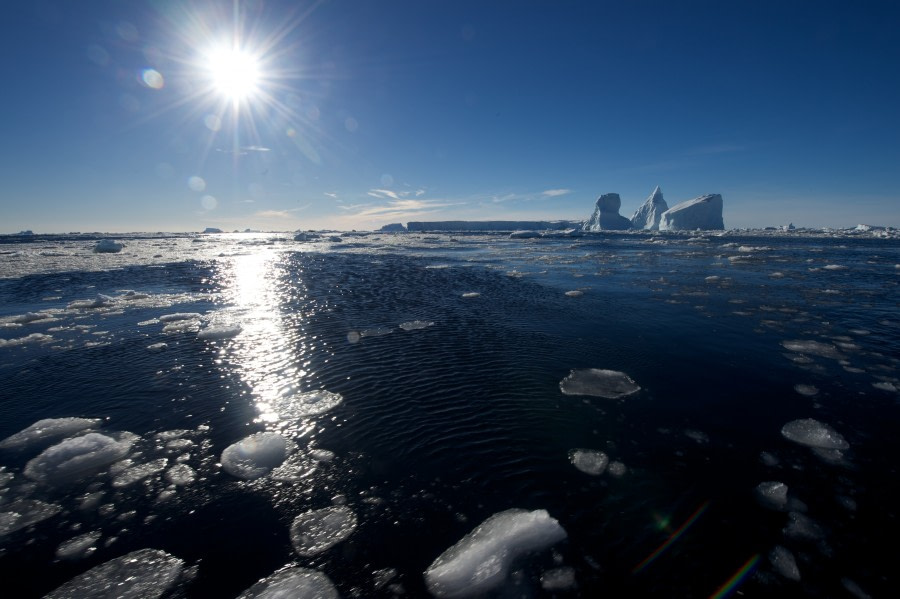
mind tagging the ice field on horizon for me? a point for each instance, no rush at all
(465, 415)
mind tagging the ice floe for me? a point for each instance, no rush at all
(72, 459)
(219, 332)
(24, 512)
(772, 495)
(293, 583)
(32, 338)
(142, 574)
(318, 530)
(574, 293)
(179, 316)
(815, 348)
(300, 405)
(181, 474)
(139, 472)
(414, 325)
(48, 430)
(480, 560)
(471, 294)
(101, 301)
(108, 246)
(158, 347)
(589, 461)
(255, 456)
(807, 390)
(802, 528)
(610, 384)
(78, 547)
(812, 433)
(783, 562)
(617, 469)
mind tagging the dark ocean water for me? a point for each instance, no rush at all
(442, 426)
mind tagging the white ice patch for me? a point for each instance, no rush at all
(471, 294)
(885, 386)
(815, 348)
(558, 579)
(807, 390)
(255, 456)
(136, 473)
(142, 574)
(317, 530)
(24, 512)
(158, 347)
(75, 458)
(300, 405)
(32, 338)
(321, 455)
(293, 583)
(784, 563)
(617, 469)
(772, 495)
(834, 267)
(414, 325)
(108, 246)
(220, 332)
(181, 475)
(801, 527)
(610, 384)
(574, 293)
(101, 301)
(589, 461)
(48, 430)
(179, 316)
(78, 547)
(29, 317)
(480, 561)
(812, 433)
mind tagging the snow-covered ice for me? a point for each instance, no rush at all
(811, 432)
(647, 217)
(139, 472)
(179, 316)
(48, 430)
(574, 293)
(610, 384)
(814, 348)
(255, 455)
(807, 390)
(480, 560)
(75, 458)
(293, 583)
(801, 527)
(704, 212)
(32, 338)
(589, 461)
(317, 530)
(142, 574)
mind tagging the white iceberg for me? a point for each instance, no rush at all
(812, 433)
(480, 561)
(606, 215)
(293, 583)
(647, 217)
(75, 458)
(704, 213)
(317, 530)
(255, 456)
(599, 382)
(48, 430)
(142, 574)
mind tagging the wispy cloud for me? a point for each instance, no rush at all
(552, 193)
(255, 149)
(400, 209)
(331, 194)
(288, 213)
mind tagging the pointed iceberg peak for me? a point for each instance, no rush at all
(649, 214)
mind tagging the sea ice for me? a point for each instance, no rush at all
(815, 348)
(589, 461)
(179, 316)
(24, 512)
(101, 301)
(558, 579)
(610, 384)
(78, 547)
(108, 246)
(293, 583)
(303, 405)
(772, 495)
(813, 433)
(801, 527)
(470, 294)
(32, 338)
(574, 293)
(254, 456)
(29, 317)
(181, 474)
(75, 458)
(321, 455)
(415, 325)
(784, 563)
(47, 430)
(807, 390)
(317, 530)
(140, 472)
(158, 347)
(480, 560)
(616, 469)
(220, 332)
(142, 574)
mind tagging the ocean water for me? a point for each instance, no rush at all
(411, 388)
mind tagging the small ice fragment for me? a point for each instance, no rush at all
(772, 495)
(829, 456)
(480, 560)
(834, 267)
(807, 390)
(415, 325)
(24, 512)
(91, 500)
(321, 455)
(854, 589)
(574, 293)
(108, 246)
(376, 332)
(179, 316)
(219, 332)
(317, 530)
(32, 338)
(617, 469)
(712, 278)
(78, 547)
(139, 472)
(784, 563)
(558, 579)
(30, 317)
(610, 384)
(142, 574)
(48, 429)
(815, 348)
(100, 301)
(801, 527)
(885, 386)
(698, 436)
(302, 405)
(589, 461)
(157, 347)
(812, 433)
(254, 456)
(293, 583)
(181, 474)
(381, 577)
(179, 444)
(471, 294)
(75, 458)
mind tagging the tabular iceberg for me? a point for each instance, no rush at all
(606, 215)
(647, 217)
(704, 213)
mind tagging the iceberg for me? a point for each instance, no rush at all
(606, 215)
(480, 561)
(704, 213)
(393, 228)
(317, 530)
(108, 246)
(142, 574)
(255, 456)
(75, 458)
(296, 583)
(647, 217)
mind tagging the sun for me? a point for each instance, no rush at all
(234, 73)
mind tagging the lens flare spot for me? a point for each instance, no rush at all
(208, 202)
(152, 78)
(196, 183)
(212, 122)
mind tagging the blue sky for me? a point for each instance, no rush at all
(372, 112)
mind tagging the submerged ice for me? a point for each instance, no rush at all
(293, 583)
(142, 574)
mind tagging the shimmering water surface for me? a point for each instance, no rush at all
(413, 386)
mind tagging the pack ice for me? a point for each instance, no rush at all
(610, 384)
(142, 574)
(77, 457)
(293, 583)
(255, 456)
(480, 561)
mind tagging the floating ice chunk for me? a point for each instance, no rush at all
(78, 547)
(181, 474)
(589, 461)
(801, 527)
(471, 294)
(415, 325)
(301, 405)
(829, 456)
(101, 301)
(24, 512)
(813, 433)
(772, 495)
(834, 267)
(317, 530)
(255, 456)
(558, 579)
(768, 459)
(574, 293)
(854, 589)
(480, 560)
(697, 436)
(30, 317)
(815, 348)
(784, 563)
(132, 295)
(158, 347)
(617, 469)
(220, 332)
(376, 332)
(321, 455)
(179, 316)
(381, 577)
(142, 574)
(182, 326)
(108, 246)
(139, 472)
(610, 384)
(32, 338)
(807, 390)
(48, 430)
(293, 583)
(75, 458)
(885, 386)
